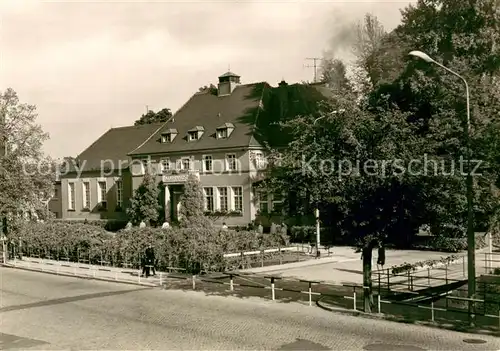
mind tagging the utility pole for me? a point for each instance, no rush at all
(147, 109)
(314, 65)
(3, 154)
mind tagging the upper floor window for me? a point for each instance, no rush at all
(166, 138)
(195, 133)
(169, 135)
(165, 165)
(186, 164)
(231, 162)
(207, 163)
(222, 133)
(193, 136)
(225, 130)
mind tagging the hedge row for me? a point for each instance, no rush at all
(192, 249)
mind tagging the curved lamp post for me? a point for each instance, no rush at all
(316, 211)
(471, 276)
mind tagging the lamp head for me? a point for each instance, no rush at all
(421, 55)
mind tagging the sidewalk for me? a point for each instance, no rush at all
(344, 266)
(81, 270)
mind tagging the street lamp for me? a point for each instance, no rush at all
(316, 211)
(471, 274)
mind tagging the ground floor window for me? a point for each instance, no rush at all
(209, 199)
(238, 198)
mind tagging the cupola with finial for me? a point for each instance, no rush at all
(227, 83)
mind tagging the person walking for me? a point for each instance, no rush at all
(381, 255)
(145, 264)
(150, 258)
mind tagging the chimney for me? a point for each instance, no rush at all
(282, 83)
(227, 83)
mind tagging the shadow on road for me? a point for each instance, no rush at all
(66, 300)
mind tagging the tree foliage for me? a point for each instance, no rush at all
(412, 111)
(144, 204)
(154, 117)
(192, 204)
(26, 173)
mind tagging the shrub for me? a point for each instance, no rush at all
(446, 244)
(194, 249)
(303, 234)
(192, 205)
(145, 205)
(111, 225)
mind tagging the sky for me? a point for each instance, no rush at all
(92, 65)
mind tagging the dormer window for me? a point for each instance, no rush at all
(222, 133)
(225, 130)
(169, 135)
(166, 138)
(193, 136)
(195, 133)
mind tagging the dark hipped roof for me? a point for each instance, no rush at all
(229, 74)
(210, 111)
(114, 145)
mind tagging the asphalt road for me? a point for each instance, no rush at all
(40, 311)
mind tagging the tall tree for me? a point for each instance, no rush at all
(145, 205)
(334, 73)
(26, 173)
(415, 112)
(192, 205)
(154, 117)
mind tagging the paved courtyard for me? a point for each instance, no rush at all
(41, 311)
(344, 266)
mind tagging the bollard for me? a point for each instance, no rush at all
(354, 297)
(432, 311)
(463, 265)
(194, 282)
(379, 282)
(262, 258)
(378, 304)
(272, 289)
(231, 287)
(310, 294)
(161, 278)
(388, 281)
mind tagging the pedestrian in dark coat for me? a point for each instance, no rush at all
(150, 258)
(381, 255)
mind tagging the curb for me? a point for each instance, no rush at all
(151, 285)
(392, 318)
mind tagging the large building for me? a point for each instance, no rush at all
(213, 136)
